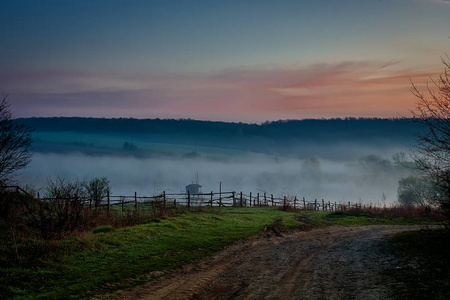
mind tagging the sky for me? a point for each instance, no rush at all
(239, 61)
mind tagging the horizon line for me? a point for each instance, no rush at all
(231, 122)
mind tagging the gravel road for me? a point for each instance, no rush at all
(328, 263)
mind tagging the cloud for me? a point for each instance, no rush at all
(343, 89)
(444, 2)
(349, 88)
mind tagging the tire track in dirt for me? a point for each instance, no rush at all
(328, 263)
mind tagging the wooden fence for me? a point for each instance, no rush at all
(166, 201)
(217, 199)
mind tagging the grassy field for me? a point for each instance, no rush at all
(99, 143)
(111, 258)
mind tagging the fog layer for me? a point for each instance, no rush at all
(369, 180)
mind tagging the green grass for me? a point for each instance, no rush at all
(101, 261)
(110, 141)
(424, 264)
(103, 229)
(315, 219)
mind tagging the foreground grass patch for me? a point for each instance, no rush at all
(101, 261)
(314, 219)
(82, 266)
(424, 264)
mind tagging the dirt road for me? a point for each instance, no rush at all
(328, 263)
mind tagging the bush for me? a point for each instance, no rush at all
(55, 218)
(105, 228)
(49, 218)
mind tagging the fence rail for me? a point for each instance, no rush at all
(167, 200)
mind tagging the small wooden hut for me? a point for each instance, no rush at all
(194, 188)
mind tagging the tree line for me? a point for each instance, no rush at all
(308, 129)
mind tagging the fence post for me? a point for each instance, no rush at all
(212, 198)
(250, 199)
(135, 200)
(271, 197)
(123, 200)
(323, 204)
(189, 199)
(240, 200)
(265, 199)
(349, 206)
(304, 203)
(295, 200)
(315, 204)
(164, 200)
(234, 199)
(109, 200)
(257, 199)
(284, 202)
(220, 194)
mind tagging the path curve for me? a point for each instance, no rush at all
(328, 263)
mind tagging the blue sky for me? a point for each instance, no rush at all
(247, 61)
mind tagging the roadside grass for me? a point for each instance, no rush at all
(315, 219)
(115, 258)
(424, 264)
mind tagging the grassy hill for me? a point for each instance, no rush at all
(294, 138)
(100, 261)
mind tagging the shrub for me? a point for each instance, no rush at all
(55, 218)
(105, 228)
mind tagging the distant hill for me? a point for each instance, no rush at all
(282, 137)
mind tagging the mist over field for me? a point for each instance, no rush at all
(310, 178)
(335, 160)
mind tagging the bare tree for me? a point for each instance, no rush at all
(15, 144)
(97, 189)
(432, 111)
(417, 190)
(64, 188)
